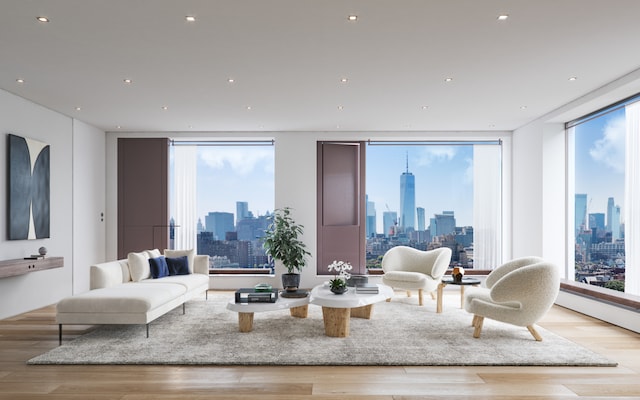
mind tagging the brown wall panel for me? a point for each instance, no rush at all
(143, 215)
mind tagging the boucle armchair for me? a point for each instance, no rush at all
(412, 269)
(520, 297)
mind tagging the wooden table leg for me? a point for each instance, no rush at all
(245, 321)
(461, 296)
(362, 312)
(441, 286)
(299, 312)
(336, 321)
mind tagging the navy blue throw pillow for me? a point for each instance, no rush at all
(158, 267)
(178, 265)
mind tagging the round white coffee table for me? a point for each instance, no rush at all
(338, 308)
(298, 308)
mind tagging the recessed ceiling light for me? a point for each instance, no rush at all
(78, 108)
(42, 19)
(118, 127)
(20, 80)
(165, 108)
(503, 17)
(248, 107)
(352, 17)
(340, 108)
(448, 79)
(344, 80)
(190, 18)
(128, 81)
(425, 107)
(231, 80)
(523, 107)
(573, 78)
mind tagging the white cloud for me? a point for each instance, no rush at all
(609, 150)
(430, 154)
(243, 161)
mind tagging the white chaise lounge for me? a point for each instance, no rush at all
(124, 291)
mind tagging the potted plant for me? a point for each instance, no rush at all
(338, 284)
(281, 242)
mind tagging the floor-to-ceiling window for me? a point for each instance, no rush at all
(603, 196)
(222, 194)
(435, 194)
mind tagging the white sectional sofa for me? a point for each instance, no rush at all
(124, 291)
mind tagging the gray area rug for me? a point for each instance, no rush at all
(399, 333)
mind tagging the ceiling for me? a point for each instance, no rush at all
(288, 59)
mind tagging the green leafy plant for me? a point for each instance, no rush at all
(281, 240)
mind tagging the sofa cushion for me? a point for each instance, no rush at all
(178, 265)
(191, 254)
(139, 266)
(132, 297)
(190, 282)
(159, 267)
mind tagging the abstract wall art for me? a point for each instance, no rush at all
(28, 168)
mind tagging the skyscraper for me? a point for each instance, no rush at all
(421, 218)
(389, 219)
(371, 217)
(613, 219)
(219, 223)
(242, 210)
(407, 200)
(444, 224)
(580, 213)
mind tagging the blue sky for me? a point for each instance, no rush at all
(227, 174)
(600, 158)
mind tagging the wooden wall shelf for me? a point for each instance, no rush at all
(20, 266)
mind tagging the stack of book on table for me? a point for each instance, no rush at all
(367, 289)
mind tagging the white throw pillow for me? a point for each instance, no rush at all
(191, 255)
(155, 253)
(139, 266)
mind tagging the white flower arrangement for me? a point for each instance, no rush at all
(341, 274)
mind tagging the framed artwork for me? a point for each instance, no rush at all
(28, 167)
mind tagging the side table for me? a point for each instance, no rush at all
(449, 281)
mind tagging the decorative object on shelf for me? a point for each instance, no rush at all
(281, 242)
(42, 251)
(338, 284)
(457, 274)
(263, 287)
(28, 189)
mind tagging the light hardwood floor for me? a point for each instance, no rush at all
(33, 333)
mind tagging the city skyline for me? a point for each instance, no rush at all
(230, 174)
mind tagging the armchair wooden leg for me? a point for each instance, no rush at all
(420, 301)
(408, 293)
(535, 333)
(478, 326)
(474, 321)
(433, 295)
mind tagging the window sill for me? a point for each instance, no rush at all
(613, 297)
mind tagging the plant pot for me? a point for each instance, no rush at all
(340, 290)
(290, 282)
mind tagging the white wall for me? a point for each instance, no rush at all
(88, 202)
(36, 289)
(77, 176)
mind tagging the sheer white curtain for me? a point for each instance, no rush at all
(487, 206)
(184, 159)
(632, 200)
